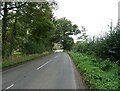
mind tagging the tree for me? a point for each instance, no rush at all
(64, 28)
(27, 27)
(7, 7)
(83, 35)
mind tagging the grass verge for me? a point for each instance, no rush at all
(18, 59)
(98, 73)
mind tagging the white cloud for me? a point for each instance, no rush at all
(94, 14)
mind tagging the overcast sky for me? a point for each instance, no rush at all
(95, 15)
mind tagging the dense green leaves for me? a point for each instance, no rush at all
(101, 70)
(27, 27)
(105, 47)
(97, 74)
(31, 28)
(64, 28)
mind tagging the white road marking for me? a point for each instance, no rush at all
(10, 86)
(43, 65)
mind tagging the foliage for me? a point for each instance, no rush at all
(63, 29)
(97, 74)
(18, 59)
(80, 47)
(107, 46)
(27, 27)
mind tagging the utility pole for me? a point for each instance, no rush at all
(118, 14)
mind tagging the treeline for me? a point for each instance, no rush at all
(106, 46)
(27, 27)
(30, 27)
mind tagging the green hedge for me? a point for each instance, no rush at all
(97, 74)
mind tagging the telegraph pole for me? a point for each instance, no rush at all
(119, 14)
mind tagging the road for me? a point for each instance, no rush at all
(54, 71)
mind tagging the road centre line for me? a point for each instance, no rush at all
(43, 65)
(9, 86)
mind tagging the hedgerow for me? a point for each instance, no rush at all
(97, 74)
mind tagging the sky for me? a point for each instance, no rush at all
(95, 15)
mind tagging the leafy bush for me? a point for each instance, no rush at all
(106, 46)
(98, 74)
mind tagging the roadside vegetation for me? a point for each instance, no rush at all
(97, 73)
(30, 28)
(98, 59)
(18, 59)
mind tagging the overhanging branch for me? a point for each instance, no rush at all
(16, 6)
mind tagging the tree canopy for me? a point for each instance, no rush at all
(32, 28)
(63, 29)
(27, 27)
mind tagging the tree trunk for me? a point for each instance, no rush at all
(13, 36)
(4, 29)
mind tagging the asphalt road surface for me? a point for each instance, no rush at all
(54, 71)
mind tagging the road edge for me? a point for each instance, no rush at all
(25, 62)
(79, 80)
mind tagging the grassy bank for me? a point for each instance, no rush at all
(98, 73)
(18, 59)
